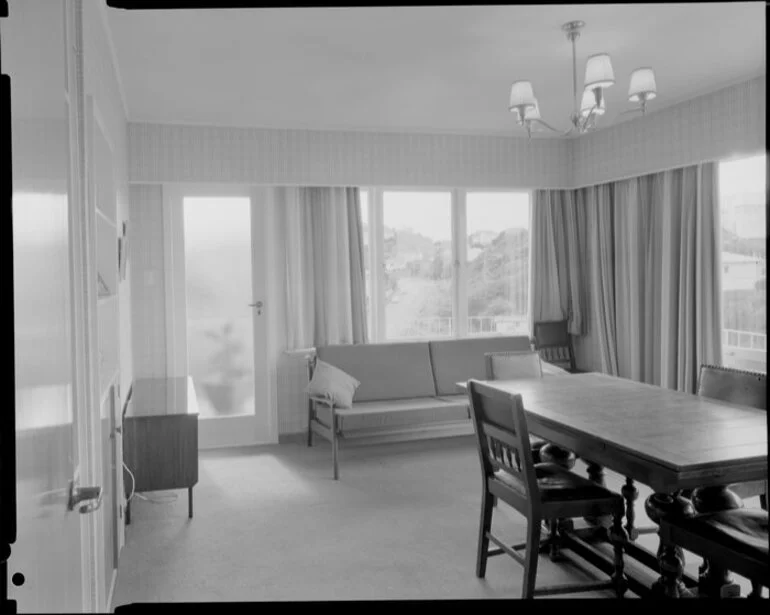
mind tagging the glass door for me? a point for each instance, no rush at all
(218, 288)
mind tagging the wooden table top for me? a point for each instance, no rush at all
(162, 397)
(664, 436)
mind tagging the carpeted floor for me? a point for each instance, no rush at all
(271, 525)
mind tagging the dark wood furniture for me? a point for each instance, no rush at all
(160, 437)
(666, 439)
(739, 387)
(540, 492)
(517, 365)
(733, 540)
(553, 341)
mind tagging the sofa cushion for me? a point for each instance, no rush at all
(462, 359)
(385, 371)
(394, 413)
(332, 384)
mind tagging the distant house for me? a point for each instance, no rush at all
(741, 272)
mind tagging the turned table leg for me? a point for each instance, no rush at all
(715, 581)
(670, 557)
(596, 474)
(630, 493)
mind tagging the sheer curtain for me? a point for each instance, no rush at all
(325, 288)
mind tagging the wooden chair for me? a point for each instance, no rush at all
(526, 364)
(734, 540)
(554, 343)
(739, 387)
(540, 492)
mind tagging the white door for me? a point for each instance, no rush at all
(217, 312)
(50, 569)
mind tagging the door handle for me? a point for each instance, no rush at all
(257, 305)
(84, 494)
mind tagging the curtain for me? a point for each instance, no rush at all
(654, 249)
(596, 203)
(557, 286)
(325, 287)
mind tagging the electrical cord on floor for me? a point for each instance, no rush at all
(171, 497)
(133, 482)
(167, 499)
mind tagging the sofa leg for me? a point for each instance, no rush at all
(310, 423)
(335, 446)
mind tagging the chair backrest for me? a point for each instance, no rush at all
(554, 343)
(733, 385)
(513, 365)
(502, 439)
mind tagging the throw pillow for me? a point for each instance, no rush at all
(333, 385)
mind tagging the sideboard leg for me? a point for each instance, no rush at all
(189, 503)
(128, 512)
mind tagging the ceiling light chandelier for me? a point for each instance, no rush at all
(598, 77)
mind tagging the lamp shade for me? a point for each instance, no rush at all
(599, 71)
(588, 103)
(642, 84)
(522, 94)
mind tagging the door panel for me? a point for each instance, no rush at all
(217, 293)
(47, 550)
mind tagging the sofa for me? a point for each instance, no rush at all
(407, 389)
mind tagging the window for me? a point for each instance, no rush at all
(449, 263)
(417, 259)
(742, 207)
(497, 256)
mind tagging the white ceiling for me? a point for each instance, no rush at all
(418, 69)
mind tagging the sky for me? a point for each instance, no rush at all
(429, 213)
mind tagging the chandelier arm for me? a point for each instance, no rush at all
(547, 125)
(588, 117)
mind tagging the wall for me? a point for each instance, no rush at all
(723, 124)
(148, 303)
(176, 153)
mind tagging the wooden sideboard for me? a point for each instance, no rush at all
(160, 437)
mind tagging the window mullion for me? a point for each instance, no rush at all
(459, 250)
(377, 262)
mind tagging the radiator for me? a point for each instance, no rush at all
(292, 398)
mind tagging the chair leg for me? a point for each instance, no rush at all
(531, 558)
(763, 501)
(485, 526)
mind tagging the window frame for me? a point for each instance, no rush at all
(458, 213)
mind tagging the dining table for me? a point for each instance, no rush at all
(672, 441)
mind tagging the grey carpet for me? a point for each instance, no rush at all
(270, 524)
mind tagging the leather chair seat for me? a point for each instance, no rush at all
(558, 484)
(742, 530)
